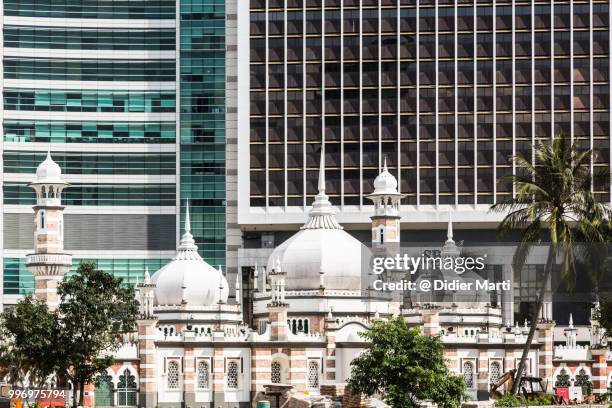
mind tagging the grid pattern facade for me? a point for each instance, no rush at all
(446, 90)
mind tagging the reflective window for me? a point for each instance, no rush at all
(88, 70)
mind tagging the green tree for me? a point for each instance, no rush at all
(96, 309)
(404, 367)
(77, 341)
(28, 333)
(554, 195)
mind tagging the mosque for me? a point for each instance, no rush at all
(309, 304)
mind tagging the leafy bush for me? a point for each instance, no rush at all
(543, 400)
(509, 400)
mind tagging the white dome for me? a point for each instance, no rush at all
(49, 172)
(330, 250)
(385, 182)
(321, 253)
(188, 278)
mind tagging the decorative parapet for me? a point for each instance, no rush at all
(49, 259)
(353, 319)
(190, 336)
(224, 307)
(307, 337)
(313, 293)
(572, 353)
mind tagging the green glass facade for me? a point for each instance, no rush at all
(117, 9)
(18, 280)
(202, 104)
(93, 163)
(99, 194)
(108, 107)
(88, 70)
(88, 132)
(79, 39)
(45, 100)
(108, 111)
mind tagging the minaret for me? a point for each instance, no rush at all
(147, 323)
(48, 263)
(386, 218)
(277, 308)
(450, 248)
(570, 332)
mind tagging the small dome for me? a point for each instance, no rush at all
(385, 182)
(49, 172)
(188, 278)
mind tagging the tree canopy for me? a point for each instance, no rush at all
(75, 342)
(404, 366)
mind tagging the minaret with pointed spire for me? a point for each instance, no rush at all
(49, 262)
(570, 332)
(146, 295)
(277, 308)
(450, 248)
(386, 199)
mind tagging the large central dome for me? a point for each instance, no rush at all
(321, 253)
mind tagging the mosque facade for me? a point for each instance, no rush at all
(192, 347)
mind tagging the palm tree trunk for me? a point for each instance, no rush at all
(534, 319)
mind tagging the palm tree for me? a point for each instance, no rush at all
(554, 195)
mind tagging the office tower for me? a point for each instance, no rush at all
(446, 90)
(129, 96)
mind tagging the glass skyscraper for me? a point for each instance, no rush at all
(446, 90)
(130, 98)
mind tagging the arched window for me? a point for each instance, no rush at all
(276, 372)
(494, 372)
(232, 375)
(203, 375)
(103, 391)
(582, 380)
(126, 389)
(173, 375)
(42, 219)
(382, 235)
(563, 379)
(468, 374)
(313, 374)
